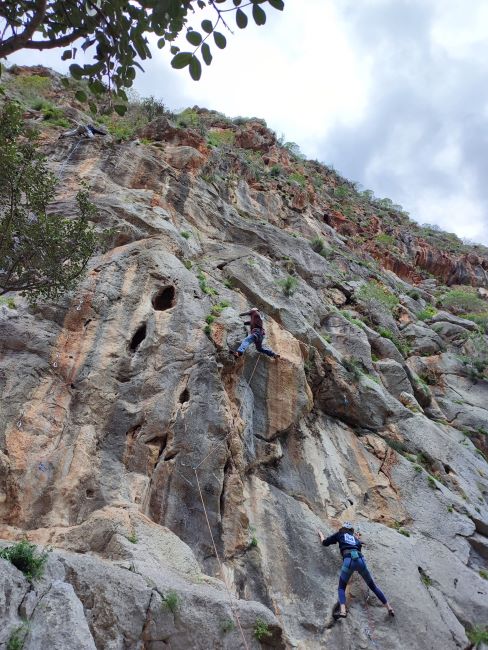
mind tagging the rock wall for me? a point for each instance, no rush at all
(113, 396)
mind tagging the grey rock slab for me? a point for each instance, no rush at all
(445, 316)
(393, 376)
(58, 621)
(423, 340)
(13, 589)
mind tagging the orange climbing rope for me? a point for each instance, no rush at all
(234, 610)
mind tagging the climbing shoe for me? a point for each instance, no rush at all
(235, 353)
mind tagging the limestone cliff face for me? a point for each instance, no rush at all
(112, 397)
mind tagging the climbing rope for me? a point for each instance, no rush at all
(219, 444)
(234, 610)
(195, 470)
(73, 149)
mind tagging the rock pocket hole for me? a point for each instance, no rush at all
(138, 338)
(164, 299)
(185, 396)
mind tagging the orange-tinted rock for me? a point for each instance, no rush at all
(162, 130)
(254, 135)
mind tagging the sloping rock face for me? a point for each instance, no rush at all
(135, 446)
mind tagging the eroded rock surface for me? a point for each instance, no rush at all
(112, 397)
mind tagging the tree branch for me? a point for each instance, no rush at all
(57, 42)
(17, 42)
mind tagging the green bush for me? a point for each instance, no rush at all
(413, 293)
(402, 346)
(261, 629)
(353, 367)
(432, 482)
(275, 171)
(427, 581)
(25, 557)
(172, 601)
(480, 319)
(477, 636)
(132, 537)
(220, 138)
(297, 178)
(10, 302)
(189, 118)
(318, 245)
(385, 240)
(185, 234)
(374, 294)
(483, 574)
(428, 312)
(289, 285)
(462, 301)
(17, 638)
(355, 321)
(227, 626)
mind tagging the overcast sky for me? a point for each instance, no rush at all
(393, 93)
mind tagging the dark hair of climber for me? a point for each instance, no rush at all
(350, 547)
(256, 336)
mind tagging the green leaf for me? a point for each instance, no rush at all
(93, 107)
(76, 71)
(195, 68)
(96, 87)
(80, 96)
(195, 38)
(181, 60)
(237, 2)
(206, 54)
(220, 40)
(277, 4)
(120, 109)
(67, 54)
(258, 15)
(65, 82)
(174, 49)
(161, 43)
(241, 19)
(207, 26)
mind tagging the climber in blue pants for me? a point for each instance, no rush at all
(353, 560)
(256, 336)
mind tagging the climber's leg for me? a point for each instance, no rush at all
(245, 344)
(346, 573)
(366, 576)
(263, 350)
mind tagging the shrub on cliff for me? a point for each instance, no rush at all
(41, 254)
(375, 296)
(24, 556)
(462, 300)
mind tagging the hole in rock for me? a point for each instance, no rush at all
(164, 299)
(72, 386)
(185, 396)
(138, 338)
(171, 454)
(90, 494)
(448, 469)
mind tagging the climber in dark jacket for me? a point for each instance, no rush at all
(353, 560)
(256, 336)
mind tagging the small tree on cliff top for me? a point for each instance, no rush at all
(41, 254)
(118, 32)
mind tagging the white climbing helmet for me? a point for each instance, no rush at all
(254, 309)
(348, 525)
